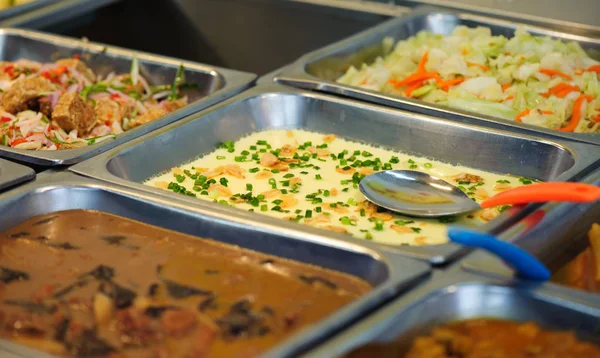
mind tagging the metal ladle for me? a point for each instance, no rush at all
(419, 194)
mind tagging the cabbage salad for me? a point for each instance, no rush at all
(533, 80)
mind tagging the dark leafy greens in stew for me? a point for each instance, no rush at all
(89, 284)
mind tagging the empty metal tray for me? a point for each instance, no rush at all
(215, 84)
(13, 174)
(319, 70)
(389, 274)
(458, 296)
(277, 107)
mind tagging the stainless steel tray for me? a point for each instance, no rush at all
(460, 295)
(319, 69)
(43, 13)
(13, 174)
(271, 107)
(554, 233)
(389, 274)
(215, 84)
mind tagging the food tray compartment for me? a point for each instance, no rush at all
(13, 174)
(459, 296)
(555, 233)
(387, 273)
(276, 107)
(215, 84)
(319, 69)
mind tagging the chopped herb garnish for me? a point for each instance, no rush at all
(273, 183)
(503, 207)
(428, 165)
(264, 207)
(223, 181)
(403, 222)
(308, 214)
(503, 182)
(378, 225)
(249, 187)
(253, 170)
(220, 157)
(179, 178)
(289, 175)
(416, 229)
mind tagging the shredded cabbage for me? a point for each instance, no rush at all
(535, 80)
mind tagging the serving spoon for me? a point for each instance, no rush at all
(525, 265)
(419, 194)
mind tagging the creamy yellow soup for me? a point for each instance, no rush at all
(312, 178)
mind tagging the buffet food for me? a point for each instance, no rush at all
(486, 338)
(89, 284)
(584, 271)
(533, 80)
(313, 179)
(65, 105)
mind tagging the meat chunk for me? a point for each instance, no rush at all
(79, 66)
(152, 114)
(24, 94)
(72, 113)
(178, 323)
(108, 110)
(172, 106)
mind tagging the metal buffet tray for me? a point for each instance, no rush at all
(460, 295)
(13, 174)
(215, 84)
(43, 13)
(319, 70)
(278, 107)
(389, 274)
(555, 233)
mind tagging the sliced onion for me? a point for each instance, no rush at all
(74, 88)
(145, 84)
(161, 95)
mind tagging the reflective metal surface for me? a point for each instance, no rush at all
(13, 174)
(415, 193)
(460, 295)
(319, 70)
(389, 274)
(277, 107)
(215, 84)
(554, 233)
(40, 13)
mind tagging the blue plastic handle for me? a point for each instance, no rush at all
(525, 264)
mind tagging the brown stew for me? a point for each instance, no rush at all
(486, 338)
(90, 284)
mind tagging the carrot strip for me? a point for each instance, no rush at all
(409, 90)
(596, 119)
(445, 85)
(506, 86)
(576, 117)
(550, 72)
(483, 67)
(423, 62)
(521, 115)
(595, 68)
(509, 98)
(561, 90)
(464, 51)
(416, 77)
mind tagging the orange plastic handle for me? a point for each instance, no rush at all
(545, 192)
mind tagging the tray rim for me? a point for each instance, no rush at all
(233, 82)
(17, 174)
(395, 284)
(296, 75)
(367, 329)
(435, 254)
